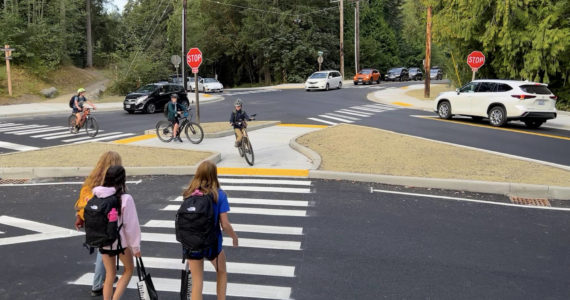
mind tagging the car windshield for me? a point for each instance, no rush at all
(414, 70)
(147, 89)
(319, 75)
(395, 70)
(210, 80)
(365, 71)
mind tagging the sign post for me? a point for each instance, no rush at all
(176, 60)
(8, 53)
(194, 60)
(475, 60)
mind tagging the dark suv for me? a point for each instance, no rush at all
(397, 74)
(153, 97)
(415, 74)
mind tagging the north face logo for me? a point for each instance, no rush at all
(192, 208)
(94, 206)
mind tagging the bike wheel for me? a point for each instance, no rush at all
(194, 133)
(71, 123)
(91, 127)
(248, 151)
(164, 131)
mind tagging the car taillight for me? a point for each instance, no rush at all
(554, 97)
(523, 97)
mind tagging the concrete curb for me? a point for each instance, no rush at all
(312, 155)
(504, 188)
(50, 172)
(228, 132)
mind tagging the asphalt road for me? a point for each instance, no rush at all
(331, 240)
(299, 106)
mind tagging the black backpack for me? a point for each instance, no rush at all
(99, 232)
(196, 226)
(72, 101)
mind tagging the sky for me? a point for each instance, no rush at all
(120, 4)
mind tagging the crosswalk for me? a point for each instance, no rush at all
(267, 214)
(236, 93)
(352, 114)
(53, 134)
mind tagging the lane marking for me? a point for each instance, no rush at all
(266, 189)
(266, 229)
(57, 183)
(209, 288)
(64, 134)
(25, 132)
(44, 231)
(350, 113)
(17, 147)
(21, 127)
(402, 104)
(380, 107)
(372, 190)
(254, 211)
(10, 124)
(367, 109)
(273, 202)
(105, 138)
(322, 121)
(303, 125)
(88, 137)
(243, 242)
(357, 113)
(496, 128)
(135, 139)
(263, 172)
(265, 181)
(343, 116)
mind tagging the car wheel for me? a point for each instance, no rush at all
(444, 110)
(378, 81)
(203, 90)
(339, 85)
(150, 108)
(355, 83)
(327, 87)
(308, 90)
(476, 118)
(533, 123)
(497, 116)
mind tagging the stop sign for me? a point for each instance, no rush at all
(476, 60)
(194, 58)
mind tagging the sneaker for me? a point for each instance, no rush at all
(179, 139)
(237, 144)
(97, 293)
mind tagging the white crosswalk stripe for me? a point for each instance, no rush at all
(336, 119)
(33, 131)
(348, 115)
(355, 113)
(343, 116)
(17, 147)
(88, 137)
(322, 121)
(268, 234)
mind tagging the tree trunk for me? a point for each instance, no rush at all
(89, 39)
(62, 22)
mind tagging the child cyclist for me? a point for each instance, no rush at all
(236, 120)
(78, 102)
(174, 109)
(205, 182)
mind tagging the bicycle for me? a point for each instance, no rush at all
(245, 150)
(87, 121)
(193, 131)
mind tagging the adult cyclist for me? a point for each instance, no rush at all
(78, 102)
(236, 120)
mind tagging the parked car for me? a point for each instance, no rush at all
(415, 73)
(367, 76)
(436, 74)
(324, 80)
(500, 101)
(175, 79)
(192, 83)
(206, 85)
(153, 97)
(397, 74)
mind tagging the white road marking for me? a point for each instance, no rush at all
(10, 125)
(88, 137)
(17, 147)
(367, 109)
(106, 138)
(286, 230)
(254, 211)
(32, 131)
(322, 121)
(209, 288)
(264, 181)
(57, 183)
(356, 113)
(336, 119)
(243, 242)
(24, 127)
(266, 189)
(372, 190)
(63, 135)
(62, 132)
(1, 232)
(275, 202)
(343, 116)
(45, 231)
(380, 105)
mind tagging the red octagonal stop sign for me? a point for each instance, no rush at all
(194, 58)
(476, 60)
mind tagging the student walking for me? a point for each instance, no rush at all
(96, 178)
(112, 195)
(199, 224)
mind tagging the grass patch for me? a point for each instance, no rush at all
(435, 89)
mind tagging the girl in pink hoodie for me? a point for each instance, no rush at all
(130, 233)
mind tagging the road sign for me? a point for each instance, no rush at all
(194, 58)
(320, 59)
(195, 70)
(176, 60)
(476, 60)
(320, 53)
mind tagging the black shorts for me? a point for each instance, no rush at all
(174, 121)
(209, 254)
(112, 253)
(75, 110)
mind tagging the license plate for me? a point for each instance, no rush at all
(360, 79)
(127, 106)
(541, 102)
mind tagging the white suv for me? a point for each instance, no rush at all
(324, 80)
(500, 101)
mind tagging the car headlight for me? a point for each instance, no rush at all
(141, 99)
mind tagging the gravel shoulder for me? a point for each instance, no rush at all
(87, 155)
(374, 151)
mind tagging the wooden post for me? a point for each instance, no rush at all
(8, 54)
(473, 77)
(356, 36)
(197, 98)
(341, 38)
(428, 55)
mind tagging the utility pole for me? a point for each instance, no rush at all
(341, 38)
(89, 38)
(8, 53)
(356, 36)
(184, 83)
(427, 66)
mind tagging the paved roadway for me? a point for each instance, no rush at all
(337, 106)
(329, 240)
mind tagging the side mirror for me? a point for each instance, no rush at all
(457, 90)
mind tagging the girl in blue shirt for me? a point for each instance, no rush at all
(205, 181)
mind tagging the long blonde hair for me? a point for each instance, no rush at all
(97, 176)
(205, 180)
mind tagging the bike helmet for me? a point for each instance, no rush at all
(81, 90)
(238, 102)
(174, 96)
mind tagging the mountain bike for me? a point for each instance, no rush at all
(87, 121)
(193, 131)
(245, 150)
